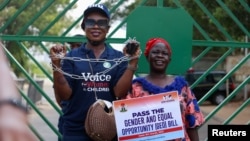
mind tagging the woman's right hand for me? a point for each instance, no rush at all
(56, 53)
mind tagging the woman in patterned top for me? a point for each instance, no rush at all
(158, 54)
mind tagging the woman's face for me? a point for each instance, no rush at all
(96, 27)
(159, 57)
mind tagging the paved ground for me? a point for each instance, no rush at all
(222, 115)
(40, 125)
(52, 116)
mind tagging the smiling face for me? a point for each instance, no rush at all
(94, 29)
(159, 58)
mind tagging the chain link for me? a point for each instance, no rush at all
(116, 60)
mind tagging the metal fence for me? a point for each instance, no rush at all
(179, 31)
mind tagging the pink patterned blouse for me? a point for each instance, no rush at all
(192, 117)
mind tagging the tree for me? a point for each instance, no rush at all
(30, 22)
(204, 20)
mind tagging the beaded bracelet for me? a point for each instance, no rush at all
(132, 68)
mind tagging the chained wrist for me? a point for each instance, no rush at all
(54, 67)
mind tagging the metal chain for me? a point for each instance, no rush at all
(116, 60)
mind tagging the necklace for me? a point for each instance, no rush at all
(96, 51)
(92, 72)
(99, 54)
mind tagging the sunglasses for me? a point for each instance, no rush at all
(90, 23)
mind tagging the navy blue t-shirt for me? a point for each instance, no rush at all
(88, 78)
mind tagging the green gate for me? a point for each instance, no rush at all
(174, 23)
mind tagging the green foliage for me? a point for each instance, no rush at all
(211, 23)
(34, 19)
(35, 70)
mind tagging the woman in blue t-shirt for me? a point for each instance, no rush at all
(90, 71)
